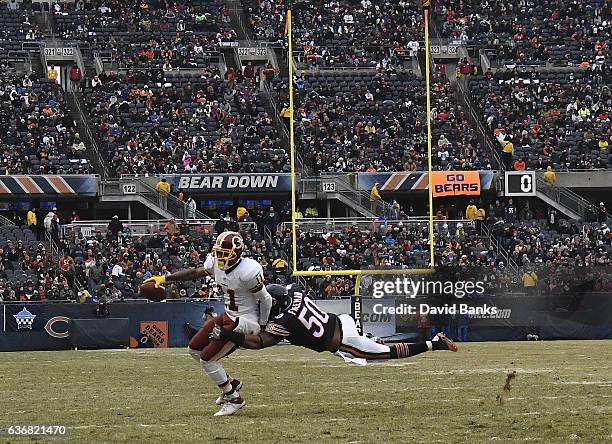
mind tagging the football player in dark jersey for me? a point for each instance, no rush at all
(296, 318)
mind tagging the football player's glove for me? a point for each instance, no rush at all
(159, 280)
(221, 334)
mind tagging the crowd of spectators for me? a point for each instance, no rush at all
(365, 34)
(459, 249)
(38, 133)
(149, 33)
(149, 123)
(348, 122)
(111, 264)
(529, 31)
(542, 119)
(17, 27)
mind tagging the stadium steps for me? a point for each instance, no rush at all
(283, 67)
(238, 19)
(46, 23)
(145, 194)
(74, 102)
(90, 70)
(37, 67)
(273, 109)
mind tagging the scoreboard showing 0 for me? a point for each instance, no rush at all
(520, 183)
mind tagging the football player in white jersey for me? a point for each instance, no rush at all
(247, 307)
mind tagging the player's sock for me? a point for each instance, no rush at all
(195, 354)
(216, 372)
(405, 350)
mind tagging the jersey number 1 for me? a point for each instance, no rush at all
(231, 294)
(313, 319)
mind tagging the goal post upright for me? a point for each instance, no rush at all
(426, 4)
(358, 274)
(291, 137)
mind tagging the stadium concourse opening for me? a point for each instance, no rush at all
(370, 270)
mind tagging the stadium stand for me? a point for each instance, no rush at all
(39, 135)
(365, 34)
(531, 32)
(376, 122)
(183, 123)
(556, 119)
(112, 264)
(17, 27)
(173, 105)
(151, 33)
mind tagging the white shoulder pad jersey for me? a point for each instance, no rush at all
(239, 286)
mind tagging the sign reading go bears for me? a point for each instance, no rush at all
(452, 183)
(413, 181)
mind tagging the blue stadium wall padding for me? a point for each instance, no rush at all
(577, 316)
(32, 332)
(100, 333)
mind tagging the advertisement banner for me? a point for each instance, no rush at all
(408, 181)
(218, 183)
(50, 185)
(153, 334)
(25, 318)
(454, 183)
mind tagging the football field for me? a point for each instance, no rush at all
(562, 392)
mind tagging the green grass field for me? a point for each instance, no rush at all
(562, 393)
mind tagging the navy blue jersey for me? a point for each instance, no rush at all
(304, 324)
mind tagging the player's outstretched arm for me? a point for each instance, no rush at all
(253, 342)
(189, 274)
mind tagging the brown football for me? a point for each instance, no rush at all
(148, 291)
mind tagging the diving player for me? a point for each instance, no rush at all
(298, 320)
(247, 307)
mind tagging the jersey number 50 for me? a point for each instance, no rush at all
(313, 319)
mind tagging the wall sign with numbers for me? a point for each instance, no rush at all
(128, 188)
(443, 49)
(328, 187)
(520, 183)
(59, 52)
(257, 51)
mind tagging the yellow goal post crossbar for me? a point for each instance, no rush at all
(359, 273)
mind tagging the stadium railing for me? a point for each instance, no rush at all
(346, 189)
(498, 248)
(144, 227)
(322, 225)
(89, 137)
(171, 204)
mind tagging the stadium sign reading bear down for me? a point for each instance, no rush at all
(231, 182)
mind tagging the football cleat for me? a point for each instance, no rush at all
(231, 406)
(441, 342)
(236, 385)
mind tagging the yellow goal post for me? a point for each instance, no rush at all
(359, 273)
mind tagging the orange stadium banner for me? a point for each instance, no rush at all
(156, 332)
(454, 183)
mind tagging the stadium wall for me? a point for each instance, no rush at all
(151, 324)
(568, 316)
